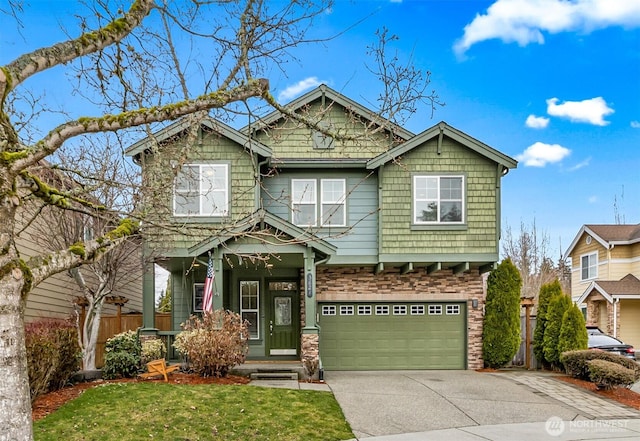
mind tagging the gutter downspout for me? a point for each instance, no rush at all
(615, 317)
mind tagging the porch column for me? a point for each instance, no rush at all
(310, 326)
(148, 298)
(218, 285)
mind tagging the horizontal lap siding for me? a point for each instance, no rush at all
(360, 237)
(480, 235)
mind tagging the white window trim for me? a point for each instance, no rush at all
(340, 201)
(594, 265)
(319, 202)
(256, 309)
(295, 203)
(204, 190)
(439, 201)
(196, 287)
(329, 310)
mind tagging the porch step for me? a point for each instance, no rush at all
(273, 375)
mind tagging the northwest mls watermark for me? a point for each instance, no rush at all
(555, 426)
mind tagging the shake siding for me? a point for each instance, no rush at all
(159, 177)
(360, 237)
(293, 140)
(480, 175)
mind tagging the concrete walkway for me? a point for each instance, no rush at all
(467, 405)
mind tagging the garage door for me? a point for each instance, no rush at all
(370, 336)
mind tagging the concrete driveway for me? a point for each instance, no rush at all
(387, 403)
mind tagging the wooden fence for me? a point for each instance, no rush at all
(111, 325)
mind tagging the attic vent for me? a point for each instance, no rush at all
(588, 240)
(320, 140)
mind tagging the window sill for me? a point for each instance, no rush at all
(201, 219)
(439, 227)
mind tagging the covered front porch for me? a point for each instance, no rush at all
(266, 272)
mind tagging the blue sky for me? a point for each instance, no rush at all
(554, 84)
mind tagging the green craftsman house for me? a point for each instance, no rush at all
(366, 250)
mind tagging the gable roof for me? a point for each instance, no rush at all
(302, 237)
(439, 130)
(183, 124)
(608, 234)
(325, 92)
(628, 286)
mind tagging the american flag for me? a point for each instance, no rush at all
(207, 299)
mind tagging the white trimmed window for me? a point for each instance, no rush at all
(346, 309)
(453, 309)
(382, 309)
(328, 309)
(328, 207)
(417, 309)
(249, 306)
(364, 309)
(198, 294)
(435, 309)
(399, 309)
(589, 266)
(438, 199)
(202, 190)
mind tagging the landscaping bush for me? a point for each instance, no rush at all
(576, 363)
(558, 305)
(152, 349)
(547, 292)
(573, 332)
(501, 329)
(53, 354)
(215, 343)
(122, 356)
(608, 375)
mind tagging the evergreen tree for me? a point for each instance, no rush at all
(547, 292)
(164, 302)
(558, 305)
(501, 330)
(573, 333)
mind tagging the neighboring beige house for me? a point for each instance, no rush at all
(605, 278)
(55, 296)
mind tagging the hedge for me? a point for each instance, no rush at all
(608, 375)
(576, 363)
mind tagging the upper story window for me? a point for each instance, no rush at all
(438, 199)
(202, 190)
(329, 206)
(589, 266)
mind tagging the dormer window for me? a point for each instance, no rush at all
(202, 190)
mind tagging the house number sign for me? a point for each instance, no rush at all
(309, 285)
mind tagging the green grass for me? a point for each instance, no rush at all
(153, 411)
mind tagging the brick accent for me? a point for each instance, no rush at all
(361, 284)
(309, 354)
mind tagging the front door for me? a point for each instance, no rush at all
(283, 326)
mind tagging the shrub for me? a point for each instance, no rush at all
(215, 343)
(547, 292)
(122, 356)
(576, 363)
(557, 307)
(53, 354)
(152, 349)
(501, 329)
(608, 375)
(573, 332)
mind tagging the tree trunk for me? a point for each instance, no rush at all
(91, 330)
(15, 401)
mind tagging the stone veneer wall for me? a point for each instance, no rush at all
(361, 284)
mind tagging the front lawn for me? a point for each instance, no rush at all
(158, 411)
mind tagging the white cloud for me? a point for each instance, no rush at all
(580, 165)
(590, 111)
(524, 21)
(298, 88)
(540, 154)
(536, 122)
(635, 124)
(593, 199)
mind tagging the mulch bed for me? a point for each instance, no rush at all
(620, 394)
(48, 403)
